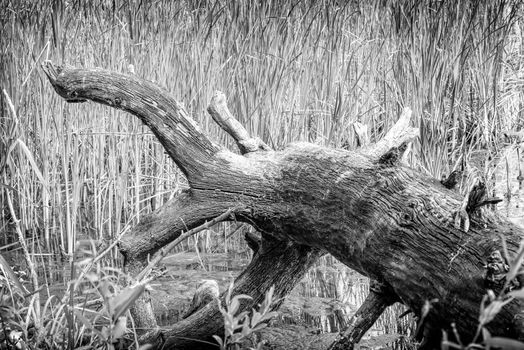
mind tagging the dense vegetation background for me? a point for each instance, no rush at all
(292, 71)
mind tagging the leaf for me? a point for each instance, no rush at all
(485, 333)
(229, 293)
(246, 329)
(447, 344)
(504, 247)
(33, 163)
(444, 344)
(269, 316)
(228, 324)
(145, 347)
(92, 277)
(219, 341)
(519, 293)
(504, 343)
(126, 298)
(80, 317)
(489, 312)
(255, 318)
(235, 303)
(268, 300)
(233, 307)
(119, 329)
(259, 327)
(379, 341)
(86, 322)
(105, 333)
(239, 319)
(491, 295)
(8, 271)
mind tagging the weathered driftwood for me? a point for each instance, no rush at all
(381, 219)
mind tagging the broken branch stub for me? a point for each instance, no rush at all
(400, 133)
(220, 113)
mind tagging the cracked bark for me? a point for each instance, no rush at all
(388, 222)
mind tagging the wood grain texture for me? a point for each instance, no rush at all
(392, 223)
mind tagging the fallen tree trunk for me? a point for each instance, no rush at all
(386, 221)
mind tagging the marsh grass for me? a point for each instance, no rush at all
(294, 71)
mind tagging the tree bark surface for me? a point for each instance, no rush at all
(386, 221)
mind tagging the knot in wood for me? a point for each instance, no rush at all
(406, 218)
(73, 98)
(452, 180)
(381, 182)
(393, 156)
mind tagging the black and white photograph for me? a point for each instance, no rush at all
(262, 174)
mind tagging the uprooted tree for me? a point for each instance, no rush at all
(380, 218)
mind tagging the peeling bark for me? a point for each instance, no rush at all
(386, 221)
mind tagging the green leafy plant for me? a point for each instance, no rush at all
(103, 328)
(117, 302)
(238, 328)
(13, 333)
(489, 308)
(74, 321)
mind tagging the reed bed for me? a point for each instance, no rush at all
(292, 71)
